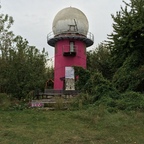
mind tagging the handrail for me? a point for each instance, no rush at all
(89, 35)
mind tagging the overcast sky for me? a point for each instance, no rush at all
(33, 18)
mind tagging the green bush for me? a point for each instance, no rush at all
(82, 100)
(98, 87)
(83, 76)
(130, 76)
(4, 101)
(131, 101)
(59, 103)
(100, 91)
(128, 101)
(9, 103)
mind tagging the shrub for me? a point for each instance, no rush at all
(4, 101)
(131, 101)
(81, 100)
(100, 91)
(99, 87)
(83, 76)
(130, 76)
(59, 103)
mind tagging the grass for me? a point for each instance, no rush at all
(91, 126)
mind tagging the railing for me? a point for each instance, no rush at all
(89, 35)
(52, 92)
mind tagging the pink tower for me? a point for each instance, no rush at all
(70, 37)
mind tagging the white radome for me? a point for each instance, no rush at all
(71, 20)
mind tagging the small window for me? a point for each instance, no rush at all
(72, 47)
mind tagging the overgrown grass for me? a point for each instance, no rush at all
(92, 126)
(96, 124)
(5, 101)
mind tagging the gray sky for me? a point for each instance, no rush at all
(33, 18)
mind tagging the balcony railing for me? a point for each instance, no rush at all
(81, 34)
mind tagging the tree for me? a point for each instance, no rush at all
(22, 67)
(98, 60)
(27, 68)
(127, 46)
(128, 33)
(6, 37)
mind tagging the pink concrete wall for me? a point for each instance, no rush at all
(62, 61)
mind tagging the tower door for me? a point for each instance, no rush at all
(69, 78)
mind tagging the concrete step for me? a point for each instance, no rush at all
(51, 103)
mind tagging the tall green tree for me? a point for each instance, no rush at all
(27, 68)
(128, 33)
(23, 68)
(6, 38)
(127, 46)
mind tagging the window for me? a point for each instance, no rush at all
(72, 47)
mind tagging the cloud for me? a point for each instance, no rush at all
(33, 18)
